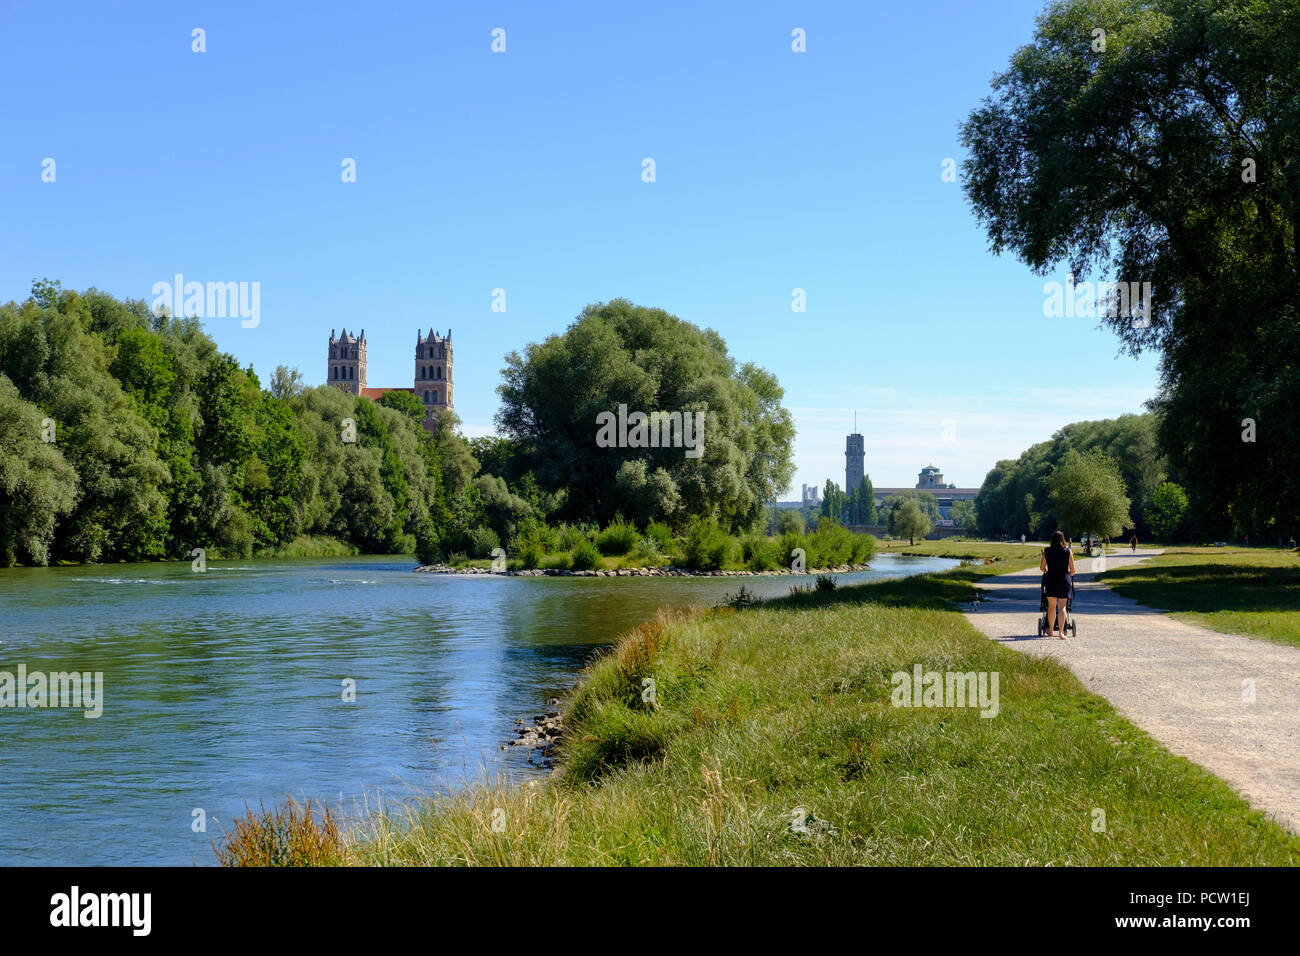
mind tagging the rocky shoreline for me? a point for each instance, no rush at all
(542, 735)
(669, 572)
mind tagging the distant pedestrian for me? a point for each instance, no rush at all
(1291, 543)
(1134, 542)
(1022, 537)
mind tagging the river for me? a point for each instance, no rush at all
(228, 686)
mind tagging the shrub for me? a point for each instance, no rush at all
(585, 556)
(482, 541)
(829, 546)
(705, 546)
(785, 546)
(530, 555)
(532, 530)
(568, 535)
(825, 583)
(741, 599)
(428, 546)
(759, 553)
(646, 551)
(864, 548)
(619, 537)
(661, 535)
(557, 562)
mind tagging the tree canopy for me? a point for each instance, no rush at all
(1015, 495)
(618, 353)
(1166, 149)
(129, 436)
(1087, 494)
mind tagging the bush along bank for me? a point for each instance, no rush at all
(700, 547)
(664, 572)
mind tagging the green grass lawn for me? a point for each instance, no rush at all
(1250, 591)
(996, 557)
(782, 713)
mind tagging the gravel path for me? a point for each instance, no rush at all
(1180, 683)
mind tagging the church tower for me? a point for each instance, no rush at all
(347, 365)
(433, 374)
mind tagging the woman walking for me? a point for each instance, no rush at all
(1058, 566)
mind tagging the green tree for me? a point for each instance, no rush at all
(617, 353)
(37, 486)
(834, 503)
(1169, 155)
(406, 403)
(1014, 495)
(120, 512)
(1088, 496)
(1168, 511)
(910, 520)
(924, 502)
(963, 514)
(646, 496)
(790, 521)
(286, 383)
(866, 501)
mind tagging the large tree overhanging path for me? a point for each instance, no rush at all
(1180, 683)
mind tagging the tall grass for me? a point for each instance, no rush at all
(290, 834)
(783, 711)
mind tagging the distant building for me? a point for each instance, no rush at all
(931, 477)
(811, 495)
(854, 462)
(433, 371)
(930, 481)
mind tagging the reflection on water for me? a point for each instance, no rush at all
(227, 686)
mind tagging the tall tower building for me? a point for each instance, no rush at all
(433, 373)
(347, 364)
(854, 463)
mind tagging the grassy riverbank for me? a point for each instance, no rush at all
(985, 557)
(773, 740)
(1250, 591)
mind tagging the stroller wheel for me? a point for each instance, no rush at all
(1074, 628)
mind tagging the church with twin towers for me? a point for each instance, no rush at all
(433, 371)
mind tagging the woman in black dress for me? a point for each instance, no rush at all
(1058, 564)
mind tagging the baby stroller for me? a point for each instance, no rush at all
(1045, 626)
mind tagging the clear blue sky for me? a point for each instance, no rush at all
(522, 171)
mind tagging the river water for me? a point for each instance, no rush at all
(228, 687)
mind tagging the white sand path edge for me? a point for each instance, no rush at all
(1182, 684)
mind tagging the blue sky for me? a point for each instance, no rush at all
(522, 171)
